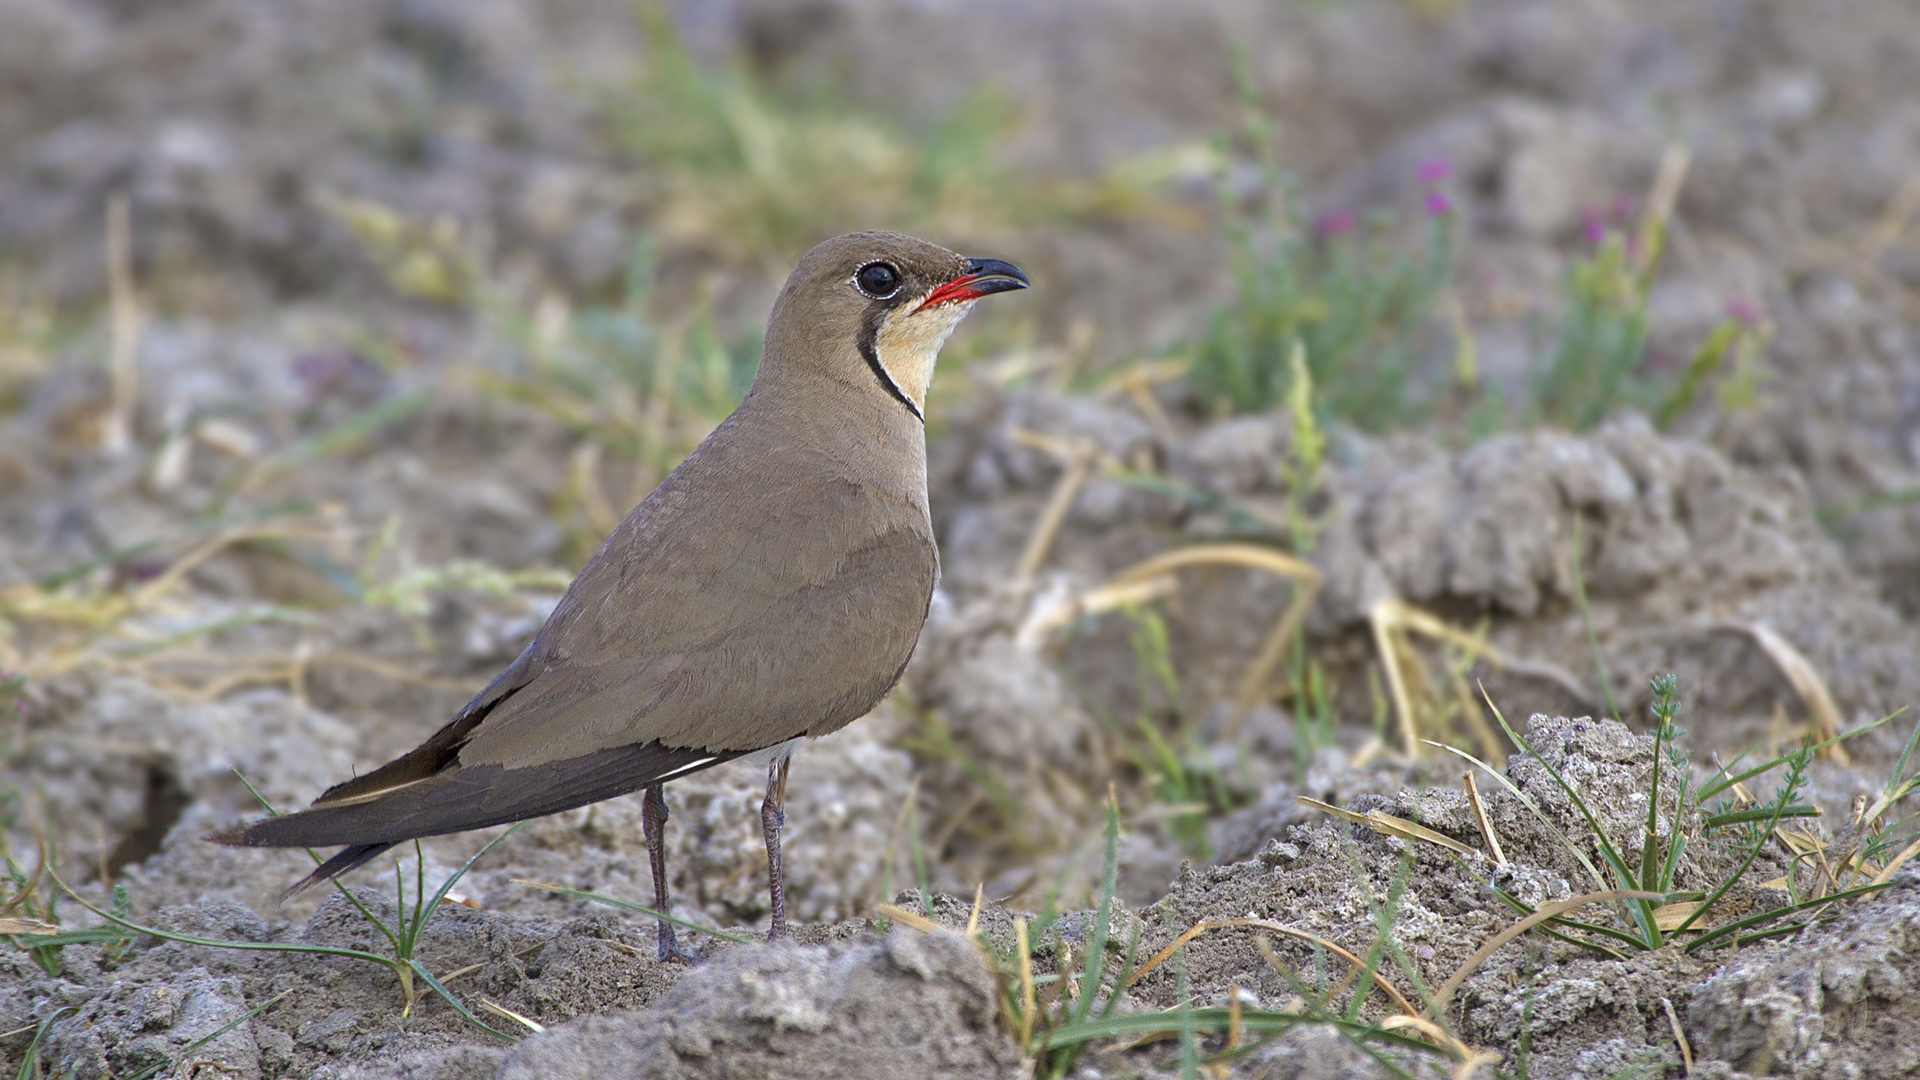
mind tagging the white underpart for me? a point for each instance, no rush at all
(688, 767)
(772, 755)
(909, 343)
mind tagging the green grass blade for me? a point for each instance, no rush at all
(1095, 965)
(1795, 771)
(30, 1063)
(628, 905)
(1607, 850)
(1126, 964)
(1593, 642)
(1189, 1031)
(92, 935)
(918, 849)
(1737, 817)
(1103, 917)
(216, 943)
(194, 1047)
(389, 932)
(454, 879)
(1721, 781)
(1672, 864)
(440, 988)
(1713, 936)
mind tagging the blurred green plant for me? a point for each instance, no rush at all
(1163, 744)
(29, 336)
(1600, 361)
(614, 373)
(1601, 340)
(33, 925)
(1306, 453)
(1357, 307)
(761, 173)
(1341, 290)
(1735, 344)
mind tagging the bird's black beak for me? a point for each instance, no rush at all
(983, 277)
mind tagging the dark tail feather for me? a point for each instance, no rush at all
(346, 859)
(459, 799)
(349, 858)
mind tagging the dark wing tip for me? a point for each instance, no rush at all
(345, 859)
(231, 835)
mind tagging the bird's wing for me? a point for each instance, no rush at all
(789, 616)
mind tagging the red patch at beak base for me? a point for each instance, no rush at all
(984, 277)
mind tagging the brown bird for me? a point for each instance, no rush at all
(772, 588)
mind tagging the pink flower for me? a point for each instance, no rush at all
(1432, 171)
(1333, 223)
(1593, 226)
(1746, 312)
(1438, 204)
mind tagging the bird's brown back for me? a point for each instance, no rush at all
(773, 586)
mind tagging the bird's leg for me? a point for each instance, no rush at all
(653, 819)
(773, 814)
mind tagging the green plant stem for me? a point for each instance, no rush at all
(1586, 623)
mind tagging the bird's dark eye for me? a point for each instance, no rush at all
(878, 280)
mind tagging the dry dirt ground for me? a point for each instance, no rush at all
(303, 532)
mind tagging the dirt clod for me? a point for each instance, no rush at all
(914, 1004)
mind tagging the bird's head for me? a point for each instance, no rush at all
(874, 308)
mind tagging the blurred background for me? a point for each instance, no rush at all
(1543, 346)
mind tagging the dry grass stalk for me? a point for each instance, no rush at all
(1662, 197)
(1137, 384)
(1027, 1003)
(583, 480)
(1152, 579)
(1047, 617)
(29, 927)
(97, 618)
(900, 821)
(1306, 581)
(1823, 714)
(1392, 623)
(1390, 825)
(911, 919)
(1438, 1002)
(1680, 1037)
(1467, 1059)
(1079, 464)
(124, 324)
(1886, 873)
(1669, 917)
(1480, 819)
(501, 1010)
(1861, 256)
(1208, 925)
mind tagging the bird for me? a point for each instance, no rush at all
(771, 589)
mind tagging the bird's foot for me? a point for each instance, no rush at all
(669, 950)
